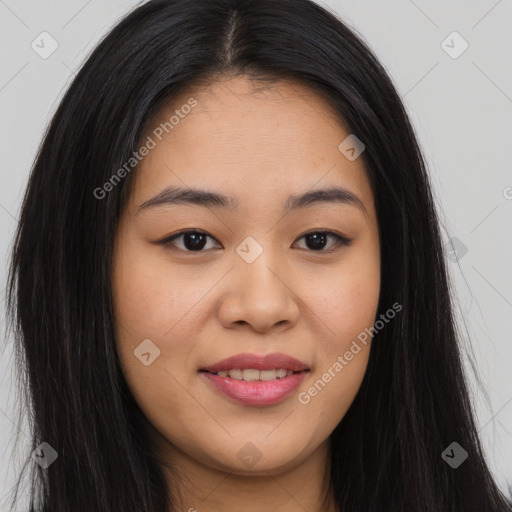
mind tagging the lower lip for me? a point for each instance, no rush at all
(256, 392)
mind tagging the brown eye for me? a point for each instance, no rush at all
(193, 241)
(317, 240)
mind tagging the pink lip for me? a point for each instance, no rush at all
(257, 362)
(256, 392)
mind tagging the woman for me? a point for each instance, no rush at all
(228, 284)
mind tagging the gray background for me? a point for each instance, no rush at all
(460, 107)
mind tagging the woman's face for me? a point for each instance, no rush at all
(250, 282)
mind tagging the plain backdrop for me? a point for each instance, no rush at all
(457, 89)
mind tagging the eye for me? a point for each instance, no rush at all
(316, 240)
(196, 241)
(193, 240)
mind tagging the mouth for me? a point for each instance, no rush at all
(256, 380)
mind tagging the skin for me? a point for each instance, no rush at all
(259, 146)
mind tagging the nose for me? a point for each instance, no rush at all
(259, 295)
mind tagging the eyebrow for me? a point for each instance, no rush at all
(193, 196)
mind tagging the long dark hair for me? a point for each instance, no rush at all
(413, 402)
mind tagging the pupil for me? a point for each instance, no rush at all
(198, 241)
(318, 240)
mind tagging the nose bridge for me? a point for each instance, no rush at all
(257, 264)
(259, 294)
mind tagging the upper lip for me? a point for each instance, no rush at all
(258, 362)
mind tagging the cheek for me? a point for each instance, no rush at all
(348, 310)
(345, 302)
(150, 304)
(341, 362)
(156, 302)
(151, 296)
(344, 307)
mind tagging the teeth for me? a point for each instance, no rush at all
(268, 374)
(236, 374)
(250, 375)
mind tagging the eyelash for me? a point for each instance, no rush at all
(341, 240)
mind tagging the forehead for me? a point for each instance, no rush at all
(248, 140)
